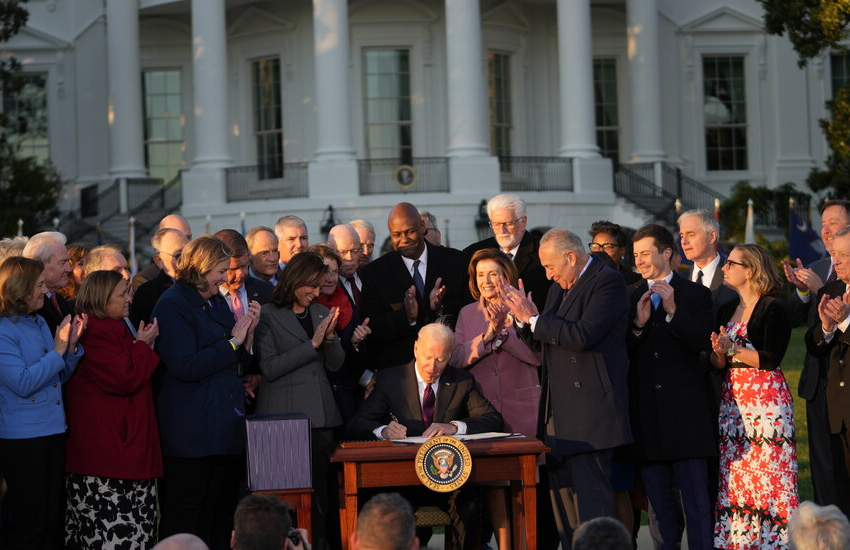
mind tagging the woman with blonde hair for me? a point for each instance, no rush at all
(200, 401)
(758, 454)
(33, 366)
(113, 453)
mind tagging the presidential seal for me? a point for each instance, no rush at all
(443, 464)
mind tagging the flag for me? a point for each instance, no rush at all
(749, 232)
(803, 242)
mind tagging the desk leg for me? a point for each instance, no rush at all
(348, 503)
(529, 499)
(517, 516)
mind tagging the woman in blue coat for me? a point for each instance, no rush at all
(200, 399)
(33, 366)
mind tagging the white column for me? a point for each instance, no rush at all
(126, 136)
(209, 67)
(575, 66)
(467, 93)
(330, 41)
(644, 80)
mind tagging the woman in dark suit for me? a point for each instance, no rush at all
(758, 482)
(33, 366)
(297, 345)
(113, 453)
(504, 367)
(201, 396)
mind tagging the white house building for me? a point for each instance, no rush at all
(589, 109)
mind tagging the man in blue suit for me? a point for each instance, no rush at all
(585, 406)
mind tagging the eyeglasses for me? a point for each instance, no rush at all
(596, 247)
(427, 229)
(730, 263)
(496, 226)
(176, 255)
(351, 252)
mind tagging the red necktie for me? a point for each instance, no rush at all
(55, 303)
(428, 400)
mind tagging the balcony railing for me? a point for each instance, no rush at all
(536, 173)
(244, 183)
(429, 175)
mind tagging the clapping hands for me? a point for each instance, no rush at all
(517, 301)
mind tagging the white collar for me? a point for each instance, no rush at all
(666, 279)
(423, 258)
(707, 272)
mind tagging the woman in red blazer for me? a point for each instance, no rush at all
(113, 452)
(504, 367)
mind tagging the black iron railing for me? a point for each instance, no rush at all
(378, 176)
(692, 193)
(536, 173)
(139, 190)
(641, 191)
(245, 183)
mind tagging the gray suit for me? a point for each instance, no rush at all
(294, 376)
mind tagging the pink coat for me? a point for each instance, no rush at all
(507, 377)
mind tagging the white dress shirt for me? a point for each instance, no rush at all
(707, 272)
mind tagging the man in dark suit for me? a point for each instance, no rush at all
(829, 479)
(668, 399)
(49, 248)
(585, 398)
(508, 222)
(410, 287)
(699, 233)
(830, 338)
(429, 398)
(239, 292)
(171, 221)
(168, 245)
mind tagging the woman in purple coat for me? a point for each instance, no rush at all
(504, 367)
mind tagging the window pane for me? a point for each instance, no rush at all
(27, 113)
(163, 130)
(268, 117)
(387, 103)
(605, 99)
(725, 112)
(499, 94)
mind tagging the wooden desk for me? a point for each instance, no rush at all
(382, 465)
(300, 500)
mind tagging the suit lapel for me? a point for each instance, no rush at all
(285, 317)
(411, 389)
(445, 394)
(576, 290)
(525, 253)
(717, 280)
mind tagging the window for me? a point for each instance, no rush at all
(725, 112)
(268, 117)
(164, 143)
(839, 65)
(27, 114)
(388, 111)
(499, 93)
(605, 101)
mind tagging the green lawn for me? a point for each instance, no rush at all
(791, 366)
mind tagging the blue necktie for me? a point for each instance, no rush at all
(656, 300)
(417, 278)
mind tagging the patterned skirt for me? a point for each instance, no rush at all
(105, 512)
(758, 461)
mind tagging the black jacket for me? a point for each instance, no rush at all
(397, 392)
(385, 282)
(668, 394)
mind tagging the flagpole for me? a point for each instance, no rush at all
(132, 230)
(749, 230)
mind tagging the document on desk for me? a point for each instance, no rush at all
(468, 437)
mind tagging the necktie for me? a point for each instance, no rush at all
(656, 300)
(236, 305)
(417, 278)
(832, 276)
(699, 277)
(510, 255)
(355, 292)
(428, 400)
(55, 303)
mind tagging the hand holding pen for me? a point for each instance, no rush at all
(394, 430)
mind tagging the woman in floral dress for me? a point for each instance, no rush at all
(758, 453)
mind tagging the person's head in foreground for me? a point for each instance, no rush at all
(385, 523)
(181, 541)
(602, 533)
(262, 522)
(814, 527)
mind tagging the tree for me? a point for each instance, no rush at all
(813, 26)
(29, 189)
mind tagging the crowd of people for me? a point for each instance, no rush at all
(122, 398)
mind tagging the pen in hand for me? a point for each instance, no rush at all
(395, 430)
(394, 419)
